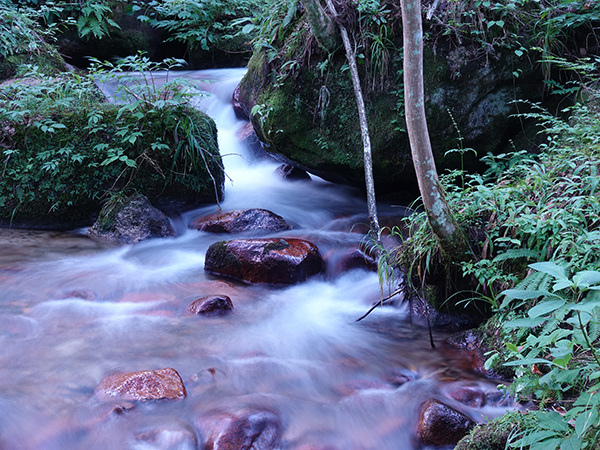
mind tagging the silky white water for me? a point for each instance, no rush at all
(73, 311)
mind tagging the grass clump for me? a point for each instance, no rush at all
(64, 147)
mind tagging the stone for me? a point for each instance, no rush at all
(238, 109)
(357, 259)
(289, 172)
(440, 424)
(399, 376)
(268, 260)
(245, 430)
(163, 384)
(470, 396)
(212, 305)
(170, 437)
(131, 220)
(241, 220)
(247, 137)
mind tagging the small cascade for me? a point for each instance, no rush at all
(73, 311)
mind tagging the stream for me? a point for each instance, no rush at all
(74, 310)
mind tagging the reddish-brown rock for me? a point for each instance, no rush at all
(470, 396)
(357, 259)
(241, 220)
(163, 384)
(246, 430)
(440, 424)
(269, 260)
(212, 305)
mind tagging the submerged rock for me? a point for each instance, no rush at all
(212, 305)
(170, 437)
(289, 172)
(246, 430)
(269, 260)
(241, 220)
(469, 395)
(440, 424)
(131, 220)
(163, 384)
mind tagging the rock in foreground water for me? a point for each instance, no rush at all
(269, 260)
(163, 384)
(212, 305)
(241, 220)
(131, 220)
(246, 430)
(440, 424)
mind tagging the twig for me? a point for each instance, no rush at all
(381, 302)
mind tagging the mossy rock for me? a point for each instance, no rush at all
(58, 176)
(495, 434)
(308, 115)
(45, 57)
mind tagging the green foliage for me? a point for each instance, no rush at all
(556, 355)
(95, 20)
(20, 31)
(204, 24)
(63, 148)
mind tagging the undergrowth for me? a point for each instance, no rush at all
(64, 147)
(533, 221)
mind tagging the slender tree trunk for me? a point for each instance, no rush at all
(451, 237)
(321, 26)
(364, 128)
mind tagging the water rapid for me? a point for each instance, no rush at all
(73, 310)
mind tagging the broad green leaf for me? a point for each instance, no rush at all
(524, 294)
(563, 284)
(512, 347)
(544, 308)
(585, 421)
(551, 420)
(572, 443)
(550, 268)
(530, 322)
(527, 362)
(586, 278)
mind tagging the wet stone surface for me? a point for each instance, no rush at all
(163, 384)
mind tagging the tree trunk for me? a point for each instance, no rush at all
(450, 236)
(364, 128)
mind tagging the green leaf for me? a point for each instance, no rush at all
(524, 294)
(585, 421)
(550, 268)
(547, 307)
(512, 347)
(586, 278)
(572, 443)
(527, 362)
(531, 322)
(551, 420)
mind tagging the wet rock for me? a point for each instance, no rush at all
(241, 220)
(238, 109)
(170, 437)
(131, 220)
(84, 294)
(289, 172)
(356, 259)
(163, 384)
(470, 396)
(470, 349)
(269, 260)
(213, 305)
(246, 430)
(440, 424)
(399, 376)
(248, 138)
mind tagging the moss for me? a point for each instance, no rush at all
(495, 434)
(60, 177)
(275, 246)
(218, 259)
(46, 58)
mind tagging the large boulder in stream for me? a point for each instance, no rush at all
(440, 424)
(241, 220)
(268, 260)
(163, 384)
(254, 429)
(302, 104)
(131, 220)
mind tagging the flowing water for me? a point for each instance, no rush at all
(73, 310)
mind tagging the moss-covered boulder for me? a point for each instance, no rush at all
(302, 105)
(64, 149)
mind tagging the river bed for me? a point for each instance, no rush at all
(74, 310)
